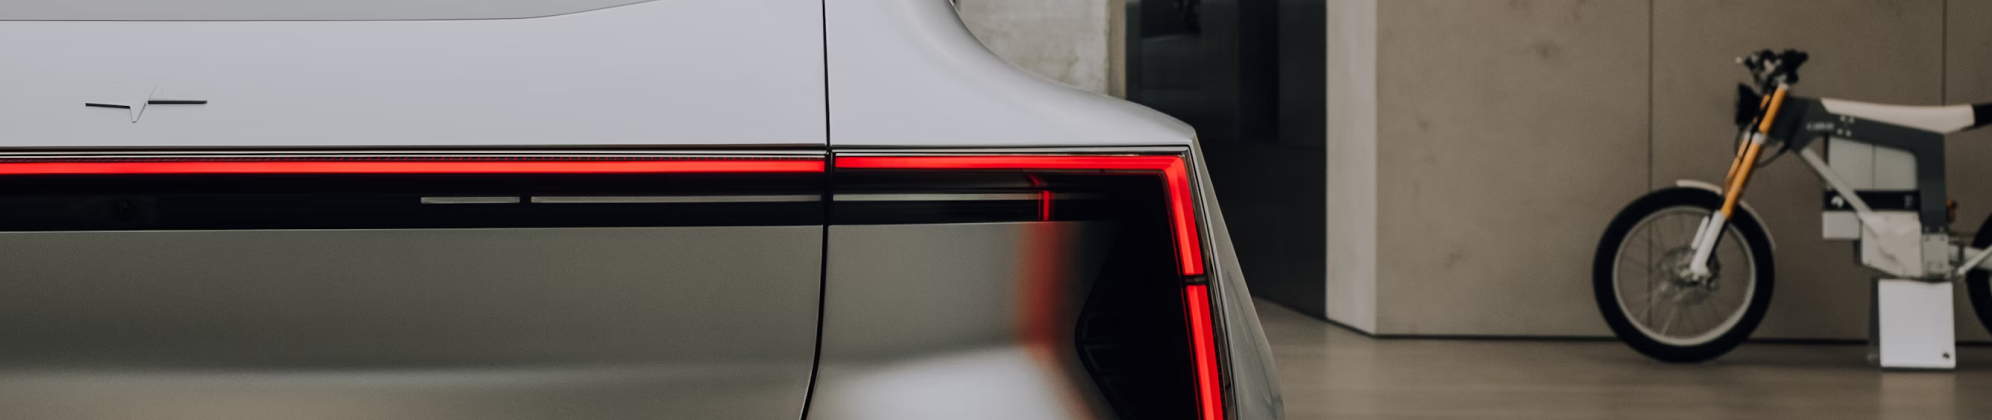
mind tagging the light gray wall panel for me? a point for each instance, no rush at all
(1352, 150)
(1880, 51)
(1509, 134)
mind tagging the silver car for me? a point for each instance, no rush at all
(593, 209)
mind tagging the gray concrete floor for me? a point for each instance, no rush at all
(1328, 372)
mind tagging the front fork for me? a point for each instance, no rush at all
(1747, 152)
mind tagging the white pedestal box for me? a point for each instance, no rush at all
(1913, 325)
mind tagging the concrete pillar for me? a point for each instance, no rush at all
(1075, 42)
(1352, 172)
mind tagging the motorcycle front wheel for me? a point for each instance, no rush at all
(1640, 278)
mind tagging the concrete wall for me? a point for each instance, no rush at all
(1076, 42)
(1509, 133)
(1352, 163)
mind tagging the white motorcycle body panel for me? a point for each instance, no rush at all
(1936, 119)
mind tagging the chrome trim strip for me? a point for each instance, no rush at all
(1022, 196)
(676, 199)
(941, 197)
(470, 200)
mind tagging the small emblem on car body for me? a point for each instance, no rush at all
(137, 109)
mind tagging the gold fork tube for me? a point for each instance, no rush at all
(1739, 171)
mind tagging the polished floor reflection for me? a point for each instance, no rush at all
(1331, 373)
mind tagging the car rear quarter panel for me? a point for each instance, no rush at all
(673, 322)
(657, 73)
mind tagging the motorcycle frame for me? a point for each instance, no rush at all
(1795, 122)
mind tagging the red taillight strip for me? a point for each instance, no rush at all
(406, 166)
(1182, 205)
(1182, 212)
(1210, 397)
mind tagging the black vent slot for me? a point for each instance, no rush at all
(405, 201)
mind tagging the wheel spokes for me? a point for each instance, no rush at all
(1677, 310)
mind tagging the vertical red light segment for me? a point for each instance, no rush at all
(1210, 397)
(1044, 206)
(1182, 204)
(1044, 198)
(404, 166)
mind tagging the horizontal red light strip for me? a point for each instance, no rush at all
(413, 166)
(1203, 343)
(1182, 205)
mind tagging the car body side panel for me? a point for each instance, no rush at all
(483, 324)
(956, 321)
(658, 73)
(296, 9)
(906, 73)
(1255, 385)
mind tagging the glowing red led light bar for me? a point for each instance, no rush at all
(1182, 212)
(406, 166)
(1182, 204)
(1210, 397)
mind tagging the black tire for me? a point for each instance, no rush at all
(1975, 280)
(1674, 202)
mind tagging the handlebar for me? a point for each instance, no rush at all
(1770, 69)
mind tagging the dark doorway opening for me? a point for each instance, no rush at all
(1251, 76)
